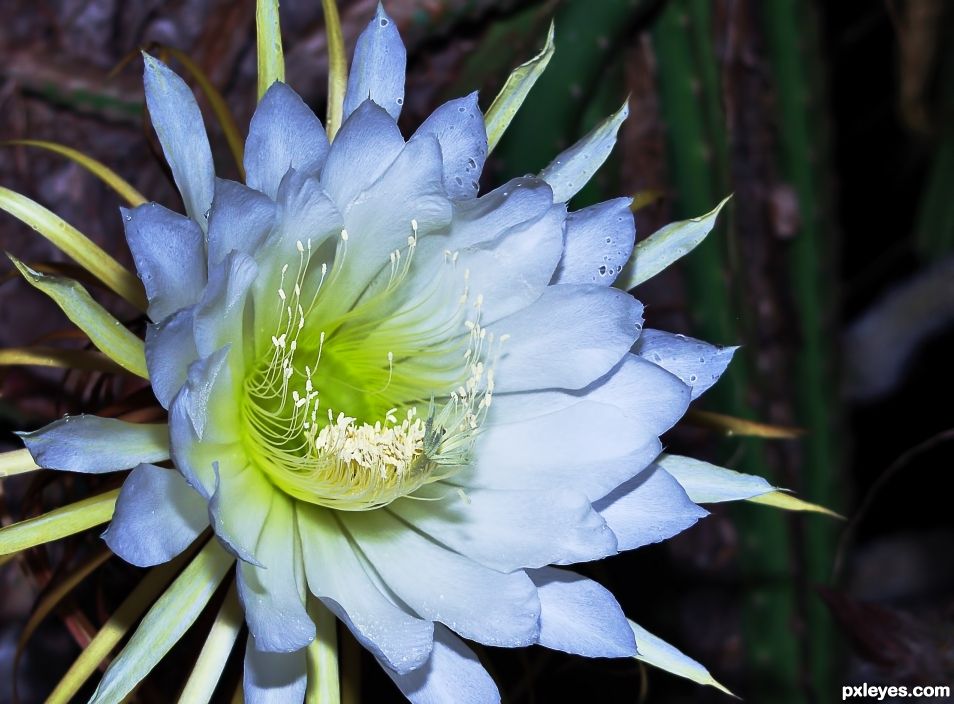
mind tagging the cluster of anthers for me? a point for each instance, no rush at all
(364, 460)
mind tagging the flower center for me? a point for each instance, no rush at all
(354, 410)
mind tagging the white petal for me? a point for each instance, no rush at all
(209, 387)
(274, 678)
(706, 483)
(158, 515)
(589, 447)
(580, 617)
(478, 603)
(178, 123)
(452, 674)
(94, 445)
(169, 253)
(458, 126)
(377, 70)
(305, 213)
(170, 349)
(366, 145)
(698, 364)
(510, 530)
(283, 134)
(241, 219)
(573, 168)
(599, 240)
(649, 508)
(337, 575)
(273, 595)
(570, 336)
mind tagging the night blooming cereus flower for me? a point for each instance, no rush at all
(393, 400)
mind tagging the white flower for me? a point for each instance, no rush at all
(391, 395)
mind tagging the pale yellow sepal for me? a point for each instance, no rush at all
(741, 427)
(215, 653)
(784, 500)
(114, 630)
(165, 623)
(665, 246)
(324, 684)
(505, 106)
(271, 59)
(16, 462)
(58, 358)
(337, 68)
(97, 168)
(75, 244)
(59, 523)
(110, 336)
(654, 651)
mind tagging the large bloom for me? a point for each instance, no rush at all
(390, 394)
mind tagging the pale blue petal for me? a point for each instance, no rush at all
(239, 505)
(649, 508)
(273, 596)
(478, 603)
(581, 617)
(168, 250)
(283, 134)
(170, 349)
(367, 144)
(589, 447)
(401, 641)
(158, 515)
(178, 123)
(94, 445)
(241, 219)
(209, 386)
(305, 213)
(599, 240)
(706, 483)
(274, 678)
(219, 317)
(452, 674)
(570, 336)
(377, 70)
(458, 126)
(697, 363)
(573, 168)
(510, 530)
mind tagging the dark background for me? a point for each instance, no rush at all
(831, 124)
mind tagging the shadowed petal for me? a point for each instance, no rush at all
(95, 445)
(284, 133)
(158, 515)
(580, 617)
(698, 364)
(599, 240)
(170, 349)
(459, 128)
(181, 131)
(377, 70)
(241, 218)
(274, 678)
(452, 674)
(169, 252)
(648, 509)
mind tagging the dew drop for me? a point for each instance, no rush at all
(399, 101)
(471, 163)
(602, 271)
(609, 240)
(460, 181)
(693, 378)
(384, 22)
